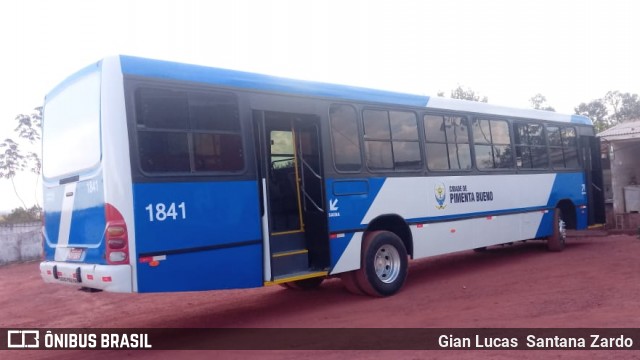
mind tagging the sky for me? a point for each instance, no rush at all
(569, 51)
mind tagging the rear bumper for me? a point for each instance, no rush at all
(112, 278)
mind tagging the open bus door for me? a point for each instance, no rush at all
(295, 225)
(594, 179)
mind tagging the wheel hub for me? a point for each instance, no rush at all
(387, 264)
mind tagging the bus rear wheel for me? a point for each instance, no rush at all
(384, 264)
(556, 241)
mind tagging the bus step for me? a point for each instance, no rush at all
(302, 275)
(287, 262)
(287, 241)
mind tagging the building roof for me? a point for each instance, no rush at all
(623, 131)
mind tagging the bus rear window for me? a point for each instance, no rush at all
(71, 128)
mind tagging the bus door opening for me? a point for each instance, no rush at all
(297, 220)
(594, 179)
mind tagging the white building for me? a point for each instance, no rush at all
(622, 177)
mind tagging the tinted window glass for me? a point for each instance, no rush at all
(162, 109)
(391, 140)
(531, 150)
(217, 152)
(376, 125)
(447, 142)
(500, 132)
(182, 131)
(213, 112)
(379, 155)
(163, 151)
(553, 134)
(434, 128)
(403, 125)
(493, 144)
(481, 132)
(406, 155)
(437, 156)
(346, 141)
(563, 147)
(459, 156)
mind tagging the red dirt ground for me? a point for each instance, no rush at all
(594, 283)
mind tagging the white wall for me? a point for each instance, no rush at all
(21, 242)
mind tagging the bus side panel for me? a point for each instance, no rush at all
(571, 186)
(197, 236)
(230, 268)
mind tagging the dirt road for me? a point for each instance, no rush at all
(594, 283)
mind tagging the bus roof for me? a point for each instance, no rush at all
(245, 80)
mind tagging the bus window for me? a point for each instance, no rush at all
(377, 142)
(346, 141)
(181, 131)
(492, 144)
(391, 140)
(72, 122)
(162, 109)
(163, 151)
(563, 147)
(406, 143)
(531, 149)
(447, 142)
(570, 147)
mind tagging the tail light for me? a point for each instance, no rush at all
(116, 236)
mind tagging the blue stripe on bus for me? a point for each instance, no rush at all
(352, 199)
(158, 69)
(568, 186)
(579, 119)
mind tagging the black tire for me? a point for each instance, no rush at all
(305, 284)
(556, 242)
(384, 264)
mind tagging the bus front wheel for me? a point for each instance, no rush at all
(556, 241)
(384, 264)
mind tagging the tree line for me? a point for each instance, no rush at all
(613, 108)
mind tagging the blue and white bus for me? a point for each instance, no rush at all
(162, 176)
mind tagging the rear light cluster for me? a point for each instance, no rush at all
(116, 237)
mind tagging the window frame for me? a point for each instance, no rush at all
(492, 144)
(358, 137)
(190, 131)
(390, 140)
(442, 115)
(528, 145)
(562, 130)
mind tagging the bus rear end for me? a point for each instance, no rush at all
(85, 236)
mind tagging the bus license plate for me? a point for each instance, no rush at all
(75, 254)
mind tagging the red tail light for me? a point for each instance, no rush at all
(116, 236)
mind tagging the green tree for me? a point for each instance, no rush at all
(23, 215)
(623, 106)
(465, 94)
(597, 111)
(13, 159)
(539, 102)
